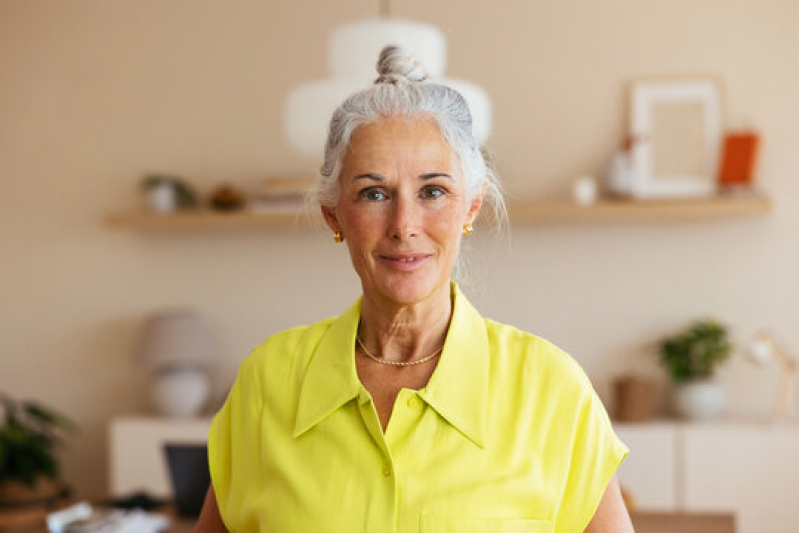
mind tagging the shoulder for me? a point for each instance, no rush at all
(287, 348)
(535, 357)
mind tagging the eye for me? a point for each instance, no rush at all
(432, 192)
(372, 194)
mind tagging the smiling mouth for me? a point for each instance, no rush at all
(405, 262)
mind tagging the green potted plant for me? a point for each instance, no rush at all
(691, 359)
(29, 434)
(166, 194)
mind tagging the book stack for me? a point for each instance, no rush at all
(279, 195)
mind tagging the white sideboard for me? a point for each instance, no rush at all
(650, 470)
(749, 469)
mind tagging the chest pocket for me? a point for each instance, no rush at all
(461, 524)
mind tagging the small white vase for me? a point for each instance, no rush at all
(700, 399)
(181, 391)
(620, 174)
(584, 190)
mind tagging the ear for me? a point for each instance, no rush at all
(329, 215)
(474, 207)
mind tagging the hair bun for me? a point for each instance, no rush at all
(396, 65)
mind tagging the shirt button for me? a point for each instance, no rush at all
(387, 471)
(412, 401)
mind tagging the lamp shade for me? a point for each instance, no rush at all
(353, 50)
(174, 338)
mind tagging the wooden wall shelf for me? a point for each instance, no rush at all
(526, 212)
(206, 219)
(657, 210)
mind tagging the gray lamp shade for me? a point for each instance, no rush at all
(174, 338)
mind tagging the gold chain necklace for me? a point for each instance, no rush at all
(396, 363)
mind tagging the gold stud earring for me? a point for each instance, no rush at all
(338, 237)
(468, 229)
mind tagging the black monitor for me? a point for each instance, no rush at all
(188, 469)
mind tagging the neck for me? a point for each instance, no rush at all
(405, 332)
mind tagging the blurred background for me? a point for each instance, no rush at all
(94, 95)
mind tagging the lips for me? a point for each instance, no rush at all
(404, 262)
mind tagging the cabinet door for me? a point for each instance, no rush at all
(749, 469)
(649, 472)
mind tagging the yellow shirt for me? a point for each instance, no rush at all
(507, 436)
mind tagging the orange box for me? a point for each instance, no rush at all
(738, 159)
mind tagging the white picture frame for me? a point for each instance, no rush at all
(676, 128)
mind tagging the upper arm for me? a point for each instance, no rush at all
(611, 516)
(210, 520)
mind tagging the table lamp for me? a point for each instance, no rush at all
(176, 346)
(763, 351)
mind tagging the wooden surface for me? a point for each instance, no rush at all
(643, 523)
(205, 219)
(531, 212)
(663, 210)
(683, 523)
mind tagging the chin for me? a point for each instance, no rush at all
(410, 290)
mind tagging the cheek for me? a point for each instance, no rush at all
(446, 227)
(362, 232)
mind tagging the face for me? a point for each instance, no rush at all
(402, 208)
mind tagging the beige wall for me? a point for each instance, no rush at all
(95, 93)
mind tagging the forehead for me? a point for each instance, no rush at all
(399, 140)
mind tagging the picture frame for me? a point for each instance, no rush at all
(676, 131)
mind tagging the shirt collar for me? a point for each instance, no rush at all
(457, 390)
(331, 379)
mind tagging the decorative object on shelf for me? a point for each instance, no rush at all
(352, 50)
(678, 127)
(738, 160)
(275, 194)
(764, 350)
(691, 359)
(227, 198)
(619, 174)
(29, 485)
(177, 346)
(584, 190)
(635, 398)
(166, 194)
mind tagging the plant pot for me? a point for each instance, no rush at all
(24, 507)
(700, 399)
(162, 198)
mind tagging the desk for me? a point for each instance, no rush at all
(643, 523)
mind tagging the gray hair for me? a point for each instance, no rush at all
(401, 89)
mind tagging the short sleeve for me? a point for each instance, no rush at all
(234, 443)
(596, 454)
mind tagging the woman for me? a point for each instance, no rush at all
(410, 412)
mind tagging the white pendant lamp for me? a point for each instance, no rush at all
(353, 50)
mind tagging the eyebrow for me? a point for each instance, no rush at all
(425, 177)
(432, 175)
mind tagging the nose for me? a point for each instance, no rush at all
(405, 220)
